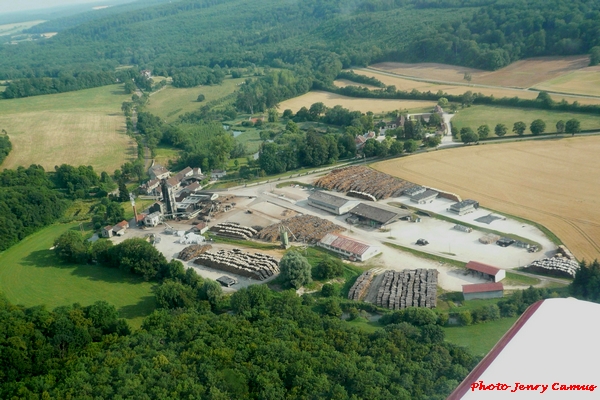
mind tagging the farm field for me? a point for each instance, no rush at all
(85, 127)
(11, 29)
(475, 116)
(31, 275)
(551, 182)
(520, 74)
(479, 338)
(377, 106)
(585, 81)
(170, 102)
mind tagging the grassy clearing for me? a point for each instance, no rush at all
(475, 116)
(516, 279)
(31, 275)
(427, 256)
(365, 325)
(250, 138)
(12, 29)
(165, 154)
(480, 338)
(172, 102)
(85, 127)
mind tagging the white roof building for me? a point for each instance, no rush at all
(550, 350)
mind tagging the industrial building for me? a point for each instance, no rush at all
(464, 207)
(413, 190)
(375, 216)
(331, 203)
(483, 291)
(425, 197)
(152, 219)
(348, 247)
(486, 271)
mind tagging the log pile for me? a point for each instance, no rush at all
(233, 230)
(364, 180)
(360, 287)
(560, 266)
(252, 265)
(565, 252)
(409, 288)
(306, 228)
(193, 251)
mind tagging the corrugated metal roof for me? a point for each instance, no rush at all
(328, 198)
(345, 243)
(483, 287)
(481, 267)
(376, 213)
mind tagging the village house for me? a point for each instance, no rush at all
(158, 172)
(217, 174)
(120, 228)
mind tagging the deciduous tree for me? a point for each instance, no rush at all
(519, 128)
(295, 270)
(537, 126)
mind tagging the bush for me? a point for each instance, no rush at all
(328, 268)
(328, 290)
(465, 318)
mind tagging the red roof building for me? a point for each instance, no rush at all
(486, 271)
(348, 247)
(483, 291)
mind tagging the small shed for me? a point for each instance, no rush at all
(483, 291)
(107, 231)
(486, 271)
(425, 197)
(464, 207)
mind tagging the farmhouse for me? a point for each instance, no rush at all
(186, 172)
(376, 216)
(464, 207)
(486, 271)
(107, 231)
(120, 228)
(360, 142)
(331, 203)
(159, 172)
(423, 198)
(348, 247)
(483, 291)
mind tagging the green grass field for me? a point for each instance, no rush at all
(479, 338)
(476, 116)
(166, 154)
(85, 127)
(31, 275)
(13, 29)
(171, 102)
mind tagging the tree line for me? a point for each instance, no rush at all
(537, 127)
(5, 146)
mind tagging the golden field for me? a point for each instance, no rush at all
(521, 74)
(551, 182)
(377, 106)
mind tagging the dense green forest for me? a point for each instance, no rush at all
(200, 32)
(271, 347)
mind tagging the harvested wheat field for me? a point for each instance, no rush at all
(353, 104)
(421, 86)
(520, 74)
(552, 182)
(85, 127)
(585, 81)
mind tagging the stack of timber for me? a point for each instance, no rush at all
(565, 252)
(305, 228)
(408, 288)
(193, 251)
(360, 287)
(364, 180)
(233, 230)
(252, 265)
(560, 266)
